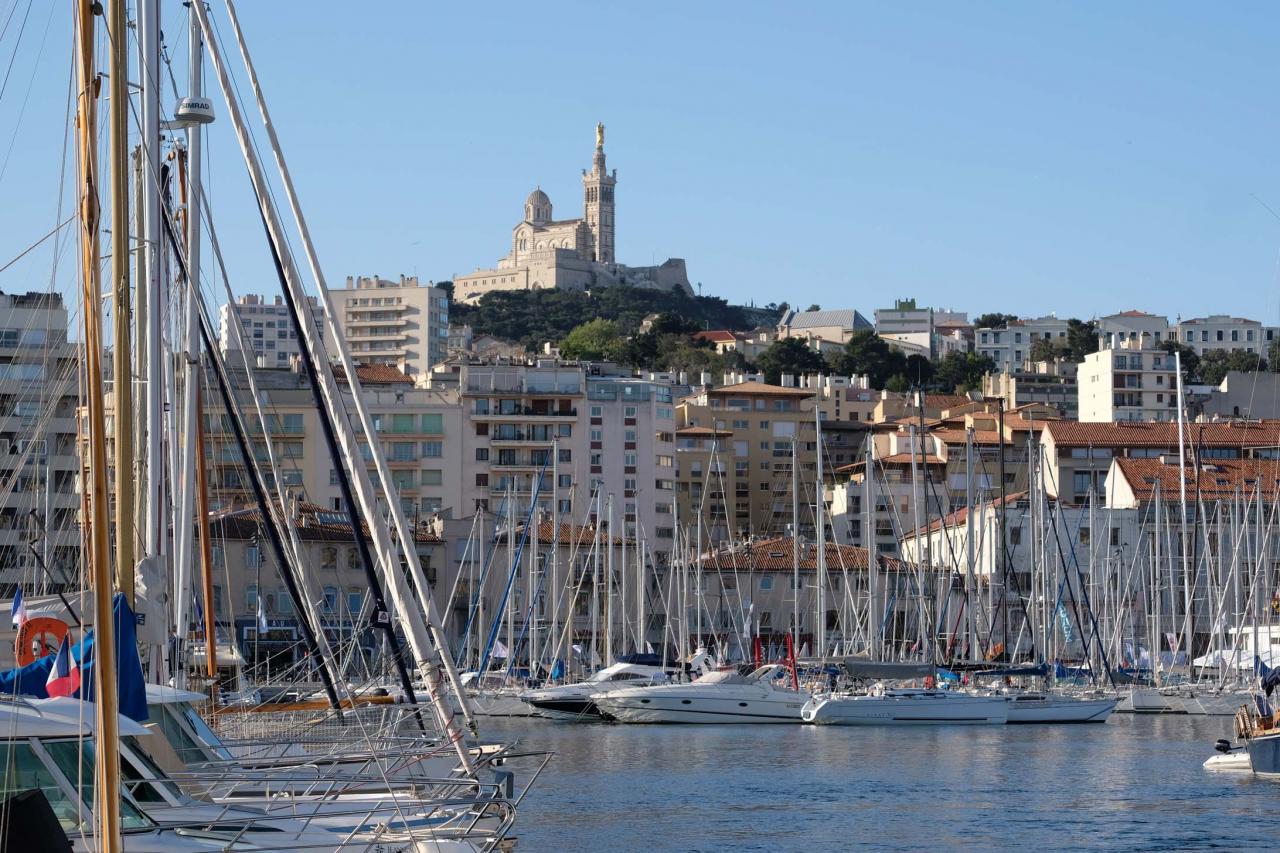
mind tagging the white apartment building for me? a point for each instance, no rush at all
(912, 325)
(1128, 383)
(267, 329)
(1223, 332)
(402, 323)
(1146, 330)
(1011, 346)
(39, 466)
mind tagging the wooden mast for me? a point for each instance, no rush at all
(107, 770)
(206, 551)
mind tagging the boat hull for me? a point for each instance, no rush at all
(1264, 755)
(701, 709)
(1057, 709)
(922, 709)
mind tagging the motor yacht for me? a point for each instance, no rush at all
(766, 695)
(574, 702)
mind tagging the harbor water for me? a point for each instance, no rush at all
(1134, 783)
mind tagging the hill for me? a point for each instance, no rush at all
(532, 317)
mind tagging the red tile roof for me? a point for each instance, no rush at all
(696, 431)
(906, 458)
(775, 554)
(716, 336)
(1210, 480)
(374, 374)
(960, 516)
(1157, 434)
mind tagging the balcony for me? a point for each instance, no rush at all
(528, 412)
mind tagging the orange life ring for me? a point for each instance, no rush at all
(38, 637)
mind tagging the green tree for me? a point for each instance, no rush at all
(1082, 339)
(594, 340)
(1273, 356)
(1042, 349)
(993, 320)
(1216, 363)
(788, 355)
(960, 372)
(866, 353)
(919, 370)
(898, 383)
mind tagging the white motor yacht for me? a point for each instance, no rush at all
(574, 701)
(764, 696)
(907, 706)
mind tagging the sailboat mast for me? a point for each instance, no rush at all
(1182, 499)
(122, 380)
(107, 769)
(795, 544)
(820, 626)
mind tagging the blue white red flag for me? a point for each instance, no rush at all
(19, 609)
(64, 677)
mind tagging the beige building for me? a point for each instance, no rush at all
(574, 254)
(1223, 332)
(1011, 346)
(1129, 382)
(402, 323)
(764, 421)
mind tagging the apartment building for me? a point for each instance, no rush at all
(763, 420)
(1011, 346)
(1222, 332)
(928, 331)
(836, 325)
(611, 436)
(1076, 457)
(39, 465)
(420, 431)
(1131, 382)
(245, 569)
(402, 323)
(1138, 328)
(265, 329)
(1043, 383)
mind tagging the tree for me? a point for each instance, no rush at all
(1082, 339)
(1190, 361)
(1216, 364)
(1273, 356)
(1042, 349)
(788, 355)
(961, 372)
(866, 353)
(594, 340)
(918, 370)
(814, 307)
(993, 320)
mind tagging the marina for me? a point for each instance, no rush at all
(562, 553)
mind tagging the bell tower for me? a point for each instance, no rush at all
(597, 203)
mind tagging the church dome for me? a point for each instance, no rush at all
(537, 207)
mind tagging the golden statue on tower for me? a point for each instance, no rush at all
(600, 135)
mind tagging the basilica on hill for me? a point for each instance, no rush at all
(574, 254)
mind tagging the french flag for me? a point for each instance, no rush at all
(19, 609)
(64, 677)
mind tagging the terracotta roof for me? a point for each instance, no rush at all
(908, 457)
(1133, 313)
(946, 401)
(960, 516)
(1163, 434)
(775, 554)
(762, 388)
(571, 534)
(1210, 480)
(374, 374)
(716, 336)
(703, 431)
(961, 436)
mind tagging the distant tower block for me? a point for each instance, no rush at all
(597, 188)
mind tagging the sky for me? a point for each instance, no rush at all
(1078, 158)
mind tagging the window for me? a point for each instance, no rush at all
(355, 601)
(1015, 535)
(482, 455)
(565, 481)
(482, 428)
(432, 449)
(330, 599)
(251, 598)
(630, 435)
(402, 451)
(629, 459)
(432, 477)
(1115, 536)
(596, 411)
(628, 411)
(253, 556)
(482, 480)
(284, 604)
(597, 435)
(766, 581)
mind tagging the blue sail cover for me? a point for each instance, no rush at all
(30, 679)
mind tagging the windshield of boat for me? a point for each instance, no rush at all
(76, 759)
(142, 777)
(724, 676)
(173, 725)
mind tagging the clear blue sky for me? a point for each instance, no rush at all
(1079, 158)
